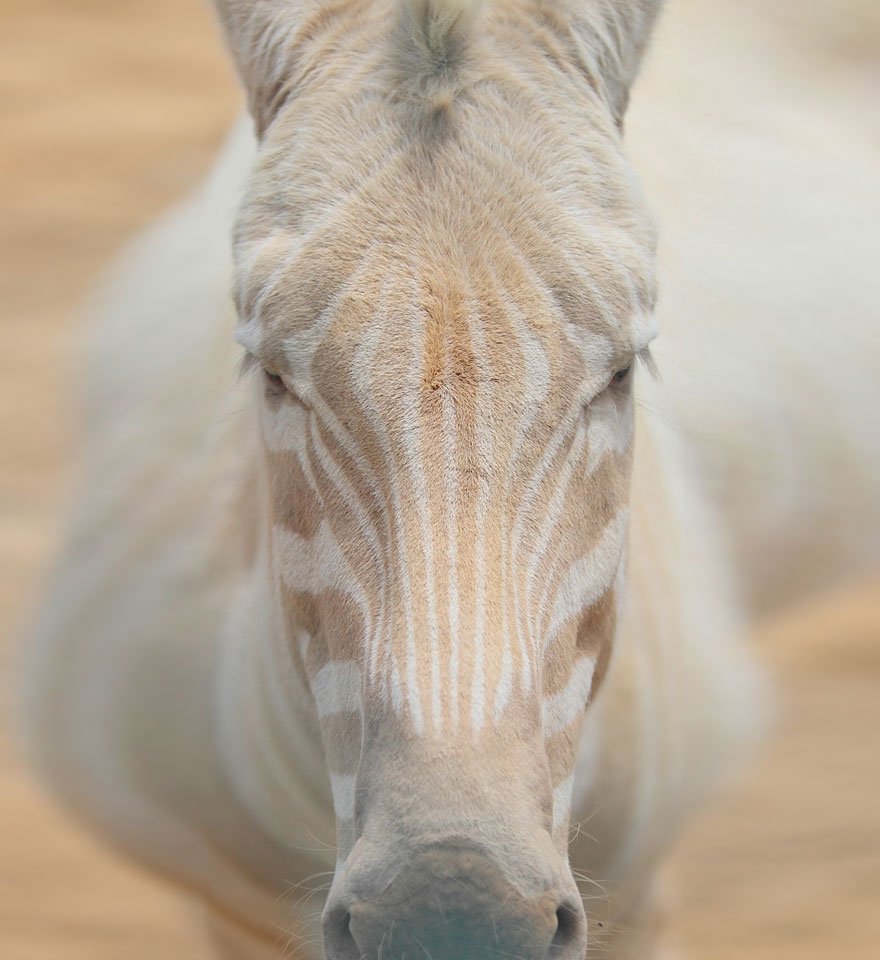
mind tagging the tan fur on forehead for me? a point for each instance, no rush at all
(601, 289)
(447, 358)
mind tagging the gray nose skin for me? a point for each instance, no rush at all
(454, 904)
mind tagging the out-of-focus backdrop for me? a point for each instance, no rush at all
(111, 108)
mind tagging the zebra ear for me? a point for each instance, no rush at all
(610, 37)
(260, 35)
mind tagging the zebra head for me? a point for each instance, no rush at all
(444, 278)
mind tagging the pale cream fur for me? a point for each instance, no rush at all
(221, 788)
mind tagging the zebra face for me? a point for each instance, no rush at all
(448, 450)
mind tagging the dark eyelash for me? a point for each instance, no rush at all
(251, 366)
(248, 367)
(646, 359)
(642, 357)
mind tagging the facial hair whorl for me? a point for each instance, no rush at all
(437, 29)
(433, 35)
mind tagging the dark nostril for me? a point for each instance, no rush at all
(339, 941)
(569, 941)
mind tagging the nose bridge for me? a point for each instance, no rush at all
(455, 644)
(421, 786)
(453, 647)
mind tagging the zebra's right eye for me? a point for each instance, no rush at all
(276, 387)
(274, 381)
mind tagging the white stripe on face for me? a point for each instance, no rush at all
(537, 367)
(316, 564)
(505, 683)
(607, 433)
(342, 786)
(450, 479)
(567, 706)
(363, 370)
(588, 578)
(336, 688)
(562, 801)
(485, 443)
(415, 464)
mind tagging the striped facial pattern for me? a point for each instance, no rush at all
(447, 458)
(444, 351)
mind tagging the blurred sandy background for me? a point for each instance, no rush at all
(110, 109)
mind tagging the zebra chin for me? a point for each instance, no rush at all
(452, 852)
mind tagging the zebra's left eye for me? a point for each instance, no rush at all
(622, 375)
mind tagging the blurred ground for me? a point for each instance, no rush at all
(110, 108)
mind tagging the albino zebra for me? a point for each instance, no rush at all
(403, 607)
